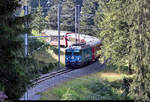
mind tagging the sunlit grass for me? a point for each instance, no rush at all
(98, 86)
(71, 90)
(50, 96)
(111, 76)
(55, 56)
(44, 56)
(104, 85)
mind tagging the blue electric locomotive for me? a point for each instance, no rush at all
(78, 55)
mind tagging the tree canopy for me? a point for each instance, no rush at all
(12, 69)
(125, 33)
(88, 12)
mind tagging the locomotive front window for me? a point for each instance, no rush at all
(69, 53)
(76, 53)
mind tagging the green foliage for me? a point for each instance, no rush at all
(125, 30)
(42, 60)
(114, 32)
(88, 89)
(39, 21)
(12, 69)
(52, 17)
(139, 89)
(88, 23)
(67, 15)
(4, 10)
(16, 71)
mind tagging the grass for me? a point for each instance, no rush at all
(104, 85)
(55, 56)
(44, 56)
(44, 59)
(47, 54)
(47, 60)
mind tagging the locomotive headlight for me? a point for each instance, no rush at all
(79, 59)
(67, 58)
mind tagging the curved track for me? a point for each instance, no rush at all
(42, 85)
(50, 75)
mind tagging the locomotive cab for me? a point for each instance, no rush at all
(81, 54)
(73, 56)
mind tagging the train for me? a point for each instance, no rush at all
(66, 38)
(79, 51)
(81, 54)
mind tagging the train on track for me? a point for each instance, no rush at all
(66, 38)
(80, 54)
(80, 51)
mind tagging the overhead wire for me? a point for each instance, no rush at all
(33, 10)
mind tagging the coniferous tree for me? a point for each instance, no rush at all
(125, 30)
(140, 36)
(115, 32)
(13, 78)
(88, 13)
(67, 15)
(52, 15)
(39, 22)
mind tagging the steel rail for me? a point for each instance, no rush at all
(49, 76)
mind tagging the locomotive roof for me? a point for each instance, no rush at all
(77, 47)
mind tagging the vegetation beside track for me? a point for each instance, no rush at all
(45, 57)
(104, 85)
(40, 62)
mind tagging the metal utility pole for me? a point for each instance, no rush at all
(76, 21)
(25, 56)
(59, 10)
(39, 3)
(79, 22)
(26, 43)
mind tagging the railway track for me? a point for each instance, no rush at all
(53, 74)
(49, 76)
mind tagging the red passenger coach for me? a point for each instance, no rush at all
(96, 48)
(54, 41)
(66, 38)
(69, 38)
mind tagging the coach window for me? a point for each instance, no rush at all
(61, 38)
(56, 38)
(52, 38)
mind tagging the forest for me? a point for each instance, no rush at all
(122, 25)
